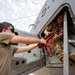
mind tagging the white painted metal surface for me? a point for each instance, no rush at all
(66, 57)
(47, 12)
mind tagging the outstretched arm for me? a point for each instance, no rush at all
(58, 36)
(26, 40)
(27, 48)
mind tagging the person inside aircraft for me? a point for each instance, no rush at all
(57, 41)
(7, 37)
(56, 27)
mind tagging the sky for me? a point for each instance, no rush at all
(21, 13)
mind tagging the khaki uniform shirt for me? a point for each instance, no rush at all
(6, 52)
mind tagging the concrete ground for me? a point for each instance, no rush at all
(48, 71)
(42, 71)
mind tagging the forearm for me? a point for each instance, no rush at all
(58, 36)
(26, 40)
(34, 40)
(26, 48)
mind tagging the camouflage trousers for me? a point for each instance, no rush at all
(57, 47)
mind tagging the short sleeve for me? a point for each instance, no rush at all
(14, 50)
(6, 37)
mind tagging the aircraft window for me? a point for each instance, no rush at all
(17, 62)
(29, 51)
(23, 61)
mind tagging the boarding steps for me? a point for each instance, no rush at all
(72, 41)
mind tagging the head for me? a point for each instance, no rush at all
(6, 27)
(60, 19)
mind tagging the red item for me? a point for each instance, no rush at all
(48, 44)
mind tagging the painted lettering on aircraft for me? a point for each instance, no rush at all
(43, 12)
(46, 7)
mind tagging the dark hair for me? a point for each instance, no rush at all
(5, 25)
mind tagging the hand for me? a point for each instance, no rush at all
(55, 36)
(43, 41)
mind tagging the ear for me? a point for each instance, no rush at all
(3, 30)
